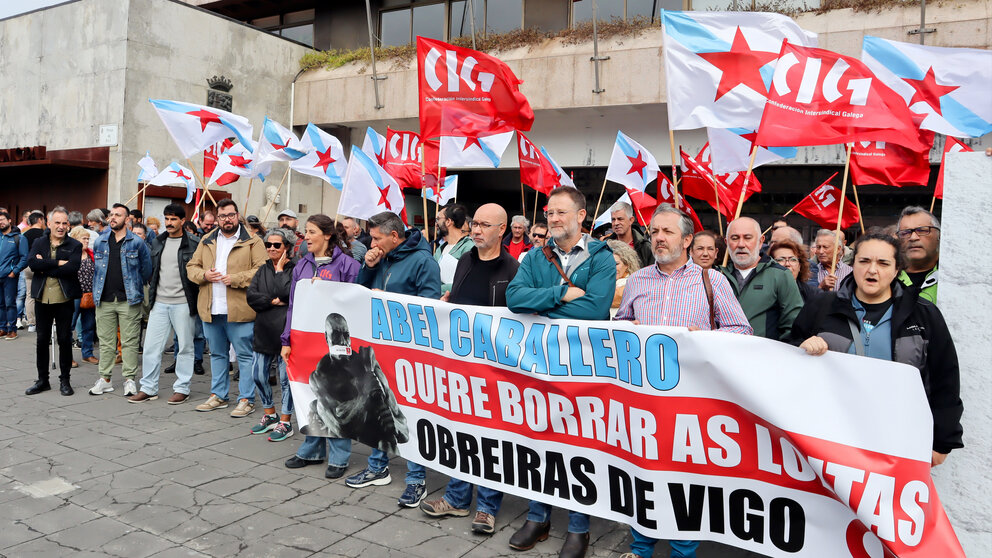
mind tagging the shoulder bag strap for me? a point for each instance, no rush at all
(859, 343)
(708, 286)
(554, 261)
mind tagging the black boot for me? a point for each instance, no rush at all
(170, 369)
(38, 387)
(530, 534)
(198, 368)
(576, 545)
(65, 388)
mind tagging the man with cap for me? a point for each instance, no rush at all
(289, 221)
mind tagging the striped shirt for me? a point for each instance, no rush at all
(653, 297)
(842, 271)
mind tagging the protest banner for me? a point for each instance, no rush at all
(682, 435)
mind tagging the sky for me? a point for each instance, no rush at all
(13, 7)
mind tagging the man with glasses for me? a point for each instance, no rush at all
(448, 226)
(223, 265)
(576, 281)
(826, 245)
(919, 234)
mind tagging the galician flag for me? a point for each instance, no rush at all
(148, 168)
(607, 216)
(631, 164)
(236, 160)
(276, 143)
(324, 159)
(368, 189)
(176, 174)
(447, 193)
(950, 86)
(196, 127)
(731, 150)
(563, 178)
(719, 65)
(374, 146)
(471, 140)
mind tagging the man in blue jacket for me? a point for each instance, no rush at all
(399, 261)
(123, 265)
(573, 277)
(13, 260)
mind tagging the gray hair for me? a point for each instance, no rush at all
(75, 218)
(628, 210)
(915, 209)
(95, 215)
(522, 220)
(794, 235)
(685, 223)
(387, 222)
(626, 254)
(58, 209)
(827, 232)
(288, 238)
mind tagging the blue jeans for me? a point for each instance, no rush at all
(161, 317)
(644, 546)
(198, 340)
(260, 374)
(22, 293)
(222, 334)
(459, 495)
(8, 303)
(337, 450)
(84, 321)
(415, 473)
(541, 512)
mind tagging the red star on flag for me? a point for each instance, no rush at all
(324, 159)
(277, 146)
(739, 65)
(206, 117)
(637, 165)
(383, 199)
(470, 141)
(179, 174)
(929, 91)
(239, 161)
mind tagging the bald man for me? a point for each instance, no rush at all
(480, 279)
(787, 233)
(767, 292)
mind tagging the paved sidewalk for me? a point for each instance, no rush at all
(98, 476)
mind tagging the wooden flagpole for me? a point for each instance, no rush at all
(534, 219)
(740, 200)
(423, 171)
(523, 200)
(675, 175)
(601, 191)
(136, 194)
(279, 189)
(773, 224)
(248, 195)
(934, 200)
(716, 194)
(840, 211)
(857, 202)
(206, 191)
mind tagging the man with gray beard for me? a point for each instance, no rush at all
(767, 292)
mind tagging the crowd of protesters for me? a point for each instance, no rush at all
(224, 287)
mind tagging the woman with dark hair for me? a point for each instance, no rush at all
(328, 258)
(871, 315)
(791, 256)
(706, 249)
(268, 295)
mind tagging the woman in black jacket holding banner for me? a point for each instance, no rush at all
(871, 315)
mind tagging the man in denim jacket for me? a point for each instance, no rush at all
(123, 265)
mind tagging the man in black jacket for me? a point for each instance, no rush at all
(481, 278)
(173, 301)
(55, 260)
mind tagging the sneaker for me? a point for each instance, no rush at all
(267, 423)
(213, 402)
(243, 409)
(141, 397)
(441, 508)
(297, 462)
(130, 388)
(484, 523)
(178, 398)
(31, 329)
(101, 386)
(282, 431)
(76, 344)
(368, 477)
(413, 495)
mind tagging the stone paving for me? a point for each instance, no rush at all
(98, 476)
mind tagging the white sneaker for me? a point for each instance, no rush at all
(129, 387)
(31, 329)
(102, 386)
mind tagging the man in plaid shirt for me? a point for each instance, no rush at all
(672, 293)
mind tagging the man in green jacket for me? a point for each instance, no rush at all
(450, 221)
(919, 234)
(767, 292)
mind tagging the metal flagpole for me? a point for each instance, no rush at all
(471, 15)
(375, 74)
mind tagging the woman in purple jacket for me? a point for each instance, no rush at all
(328, 258)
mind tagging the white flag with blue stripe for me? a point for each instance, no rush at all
(196, 127)
(178, 175)
(473, 151)
(563, 178)
(448, 191)
(148, 168)
(730, 150)
(631, 164)
(368, 189)
(325, 159)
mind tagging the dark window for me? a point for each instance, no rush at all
(503, 15)
(297, 26)
(395, 27)
(428, 21)
(460, 22)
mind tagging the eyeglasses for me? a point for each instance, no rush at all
(921, 231)
(787, 260)
(538, 235)
(228, 217)
(480, 224)
(273, 244)
(555, 213)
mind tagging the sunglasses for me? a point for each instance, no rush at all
(273, 244)
(538, 235)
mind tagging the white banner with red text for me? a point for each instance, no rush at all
(681, 435)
